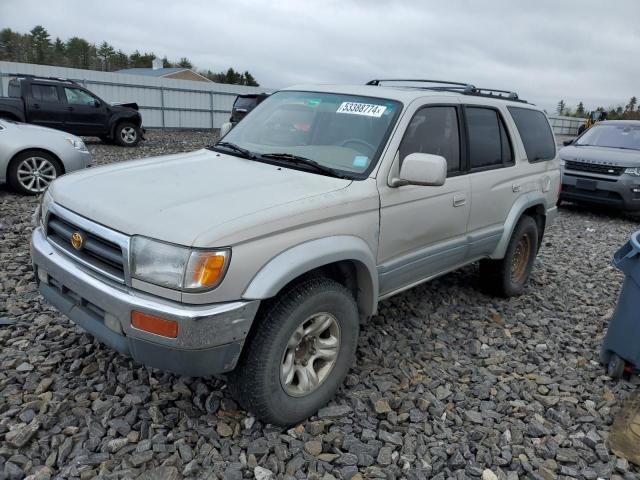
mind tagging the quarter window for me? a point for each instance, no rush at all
(489, 144)
(44, 93)
(434, 130)
(75, 96)
(535, 132)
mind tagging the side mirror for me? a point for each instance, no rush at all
(96, 103)
(225, 128)
(422, 169)
(568, 142)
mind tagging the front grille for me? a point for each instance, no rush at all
(594, 168)
(96, 252)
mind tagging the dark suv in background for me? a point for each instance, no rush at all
(244, 104)
(602, 166)
(66, 105)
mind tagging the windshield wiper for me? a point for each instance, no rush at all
(232, 146)
(290, 157)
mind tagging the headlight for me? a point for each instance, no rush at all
(77, 144)
(43, 209)
(177, 267)
(562, 162)
(633, 171)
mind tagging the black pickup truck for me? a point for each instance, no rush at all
(66, 105)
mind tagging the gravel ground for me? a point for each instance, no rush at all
(449, 382)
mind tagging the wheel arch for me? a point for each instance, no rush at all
(346, 259)
(35, 150)
(532, 205)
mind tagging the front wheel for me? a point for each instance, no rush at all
(299, 352)
(31, 172)
(508, 276)
(127, 134)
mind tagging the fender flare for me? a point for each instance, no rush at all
(531, 199)
(134, 117)
(303, 258)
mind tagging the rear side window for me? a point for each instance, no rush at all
(535, 132)
(14, 89)
(44, 93)
(489, 144)
(434, 130)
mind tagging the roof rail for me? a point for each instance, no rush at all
(456, 87)
(42, 77)
(444, 84)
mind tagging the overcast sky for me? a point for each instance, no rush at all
(585, 50)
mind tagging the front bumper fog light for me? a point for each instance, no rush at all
(43, 276)
(155, 325)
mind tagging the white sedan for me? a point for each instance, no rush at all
(31, 157)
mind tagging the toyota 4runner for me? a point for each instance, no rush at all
(259, 256)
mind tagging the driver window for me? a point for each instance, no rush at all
(75, 96)
(434, 130)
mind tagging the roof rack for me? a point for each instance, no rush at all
(42, 77)
(455, 87)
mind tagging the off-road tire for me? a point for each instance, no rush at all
(615, 366)
(256, 381)
(498, 276)
(121, 139)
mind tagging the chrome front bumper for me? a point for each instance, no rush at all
(210, 337)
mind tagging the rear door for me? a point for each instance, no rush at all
(44, 106)
(493, 175)
(86, 114)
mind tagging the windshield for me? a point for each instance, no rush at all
(342, 132)
(614, 136)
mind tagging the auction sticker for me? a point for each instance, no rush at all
(365, 109)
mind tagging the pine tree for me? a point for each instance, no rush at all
(580, 110)
(561, 107)
(40, 45)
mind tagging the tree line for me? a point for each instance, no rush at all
(629, 112)
(75, 52)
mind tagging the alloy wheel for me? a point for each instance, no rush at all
(128, 134)
(310, 355)
(520, 258)
(36, 173)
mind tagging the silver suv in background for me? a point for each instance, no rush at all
(602, 166)
(259, 256)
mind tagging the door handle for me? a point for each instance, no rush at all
(459, 199)
(516, 188)
(36, 106)
(70, 109)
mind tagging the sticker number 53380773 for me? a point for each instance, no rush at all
(366, 109)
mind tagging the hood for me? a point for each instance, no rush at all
(605, 155)
(124, 106)
(176, 198)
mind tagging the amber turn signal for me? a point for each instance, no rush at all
(205, 269)
(155, 325)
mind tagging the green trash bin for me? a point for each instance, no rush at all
(621, 347)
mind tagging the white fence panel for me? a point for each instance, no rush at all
(163, 102)
(562, 125)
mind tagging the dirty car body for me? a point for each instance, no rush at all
(310, 190)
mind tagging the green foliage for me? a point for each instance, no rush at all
(617, 112)
(37, 47)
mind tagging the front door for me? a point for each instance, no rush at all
(44, 106)
(86, 114)
(423, 228)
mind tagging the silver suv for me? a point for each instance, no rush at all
(259, 256)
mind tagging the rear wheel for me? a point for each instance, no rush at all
(299, 353)
(31, 172)
(508, 276)
(127, 134)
